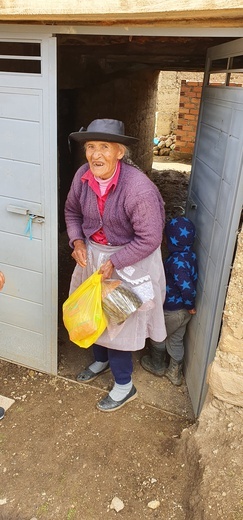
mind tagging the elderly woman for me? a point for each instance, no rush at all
(115, 219)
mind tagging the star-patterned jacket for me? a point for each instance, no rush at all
(181, 269)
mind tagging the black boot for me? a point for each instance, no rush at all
(174, 372)
(155, 362)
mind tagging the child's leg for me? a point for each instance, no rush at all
(154, 362)
(177, 322)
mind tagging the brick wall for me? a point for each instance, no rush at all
(190, 96)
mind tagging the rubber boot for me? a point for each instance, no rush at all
(174, 372)
(155, 361)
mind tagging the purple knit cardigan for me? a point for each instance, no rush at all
(134, 214)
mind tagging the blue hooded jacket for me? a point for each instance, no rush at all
(181, 265)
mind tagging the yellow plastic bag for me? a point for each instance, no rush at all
(83, 315)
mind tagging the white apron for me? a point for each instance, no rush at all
(147, 279)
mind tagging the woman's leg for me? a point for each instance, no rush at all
(123, 390)
(100, 353)
(121, 365)
(100, 365)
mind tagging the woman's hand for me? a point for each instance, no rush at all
(106, 270)
(2, 280)
(80, 253)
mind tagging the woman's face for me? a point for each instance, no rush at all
(102, 157)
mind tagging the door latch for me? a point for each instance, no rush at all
(37, 218)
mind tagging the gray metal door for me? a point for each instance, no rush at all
(28, 200)
(214, 205)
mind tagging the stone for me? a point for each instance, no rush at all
(117, 504)
(225, 384)
(164, 151)
(168, 142)
(154, 504)
(230, 343)
(161, 144)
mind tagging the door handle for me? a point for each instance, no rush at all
(38, 219)
(17, 209)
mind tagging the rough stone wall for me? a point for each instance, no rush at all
(131, 99)
(225, 376)
(94, 93)
(87, 96)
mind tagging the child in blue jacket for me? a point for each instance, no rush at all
(181, 278)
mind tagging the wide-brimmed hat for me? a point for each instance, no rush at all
(110, 130)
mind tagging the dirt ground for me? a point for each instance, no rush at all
(63, 459)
